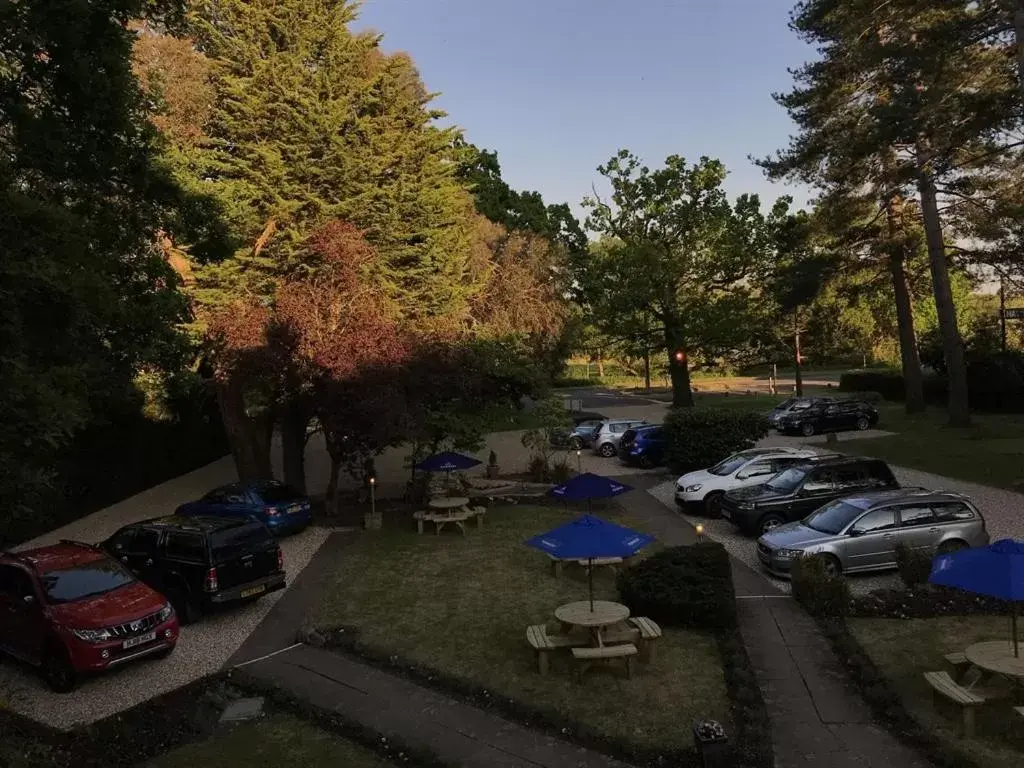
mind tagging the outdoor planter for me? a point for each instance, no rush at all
(493, 470)
(712, 744)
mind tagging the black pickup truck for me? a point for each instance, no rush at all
(199, 563)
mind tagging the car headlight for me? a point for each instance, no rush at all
(92, 635)
(694, 488)
(165, 613)
(788, 554)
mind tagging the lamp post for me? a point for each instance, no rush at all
(373, 521)
(700, 532)
(579, 461)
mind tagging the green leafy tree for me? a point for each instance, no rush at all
(676, 251)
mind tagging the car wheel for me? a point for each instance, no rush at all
(576, 444)
(769, 522)
(807, 429)
(58, 672)
(713, 504)
(832, 565)
(607, 450)
(948, 547)
(186, 608)
(863, 423)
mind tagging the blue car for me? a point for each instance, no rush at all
(282, 509)
(644, 446)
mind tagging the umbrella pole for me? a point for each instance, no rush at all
(590, 583)
(1013, 629)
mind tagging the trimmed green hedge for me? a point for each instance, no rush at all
(682, 587)
(696, 438)
(818, 592)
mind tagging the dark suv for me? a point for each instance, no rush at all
(796, 492)
(69, 608)
(201, 562)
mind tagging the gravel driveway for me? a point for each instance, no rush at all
(203, 648)
(1003, 512)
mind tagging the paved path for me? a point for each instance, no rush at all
(818, 717)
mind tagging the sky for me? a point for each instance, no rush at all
(556, 87)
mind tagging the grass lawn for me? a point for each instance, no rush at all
(904, 649)
(462, 605)
(991, 452)
(270, 743)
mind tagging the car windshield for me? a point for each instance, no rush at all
(784, 404)
(273, 493)
(730, 465)
(832, 518)
(588, 426)
(788, 480)
(83, 581)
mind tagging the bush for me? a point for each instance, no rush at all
(820, 593)
(561, 471)
(696, 438)
(888, 384)
(915, 566)
(683, 587)
(925, 601)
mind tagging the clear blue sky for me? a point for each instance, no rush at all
(558, 86)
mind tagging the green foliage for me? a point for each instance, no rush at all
(551, 418)
(819, 592)
(889, 384)
(682, 587)
(699, 438)
(915, 566)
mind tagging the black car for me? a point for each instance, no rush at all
(796, 492)
(828, 417)
(199, 563)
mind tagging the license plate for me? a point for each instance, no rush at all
(131, 642)
(253, 591)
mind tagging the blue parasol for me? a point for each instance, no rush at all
(589, 486)
(995, 571)
(448, 461)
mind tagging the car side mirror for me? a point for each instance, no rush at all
(855, 532)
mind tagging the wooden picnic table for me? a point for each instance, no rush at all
(604, 614)
(996, 656)
(448, 502)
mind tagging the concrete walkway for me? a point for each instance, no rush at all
(818, 717)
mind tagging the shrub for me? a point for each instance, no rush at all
(701, 437)
(819, 592)
(538, 469)
(915, 565)
(888, 384)
(560, 471)
(682, 587)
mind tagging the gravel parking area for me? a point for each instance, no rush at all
(203, 648)
(1003, 512)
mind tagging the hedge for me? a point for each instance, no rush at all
(820, 593)
(696, 438)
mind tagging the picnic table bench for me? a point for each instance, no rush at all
(543, 643)
(585, 563)
(589, 655)
(968, 699)
(441, 518)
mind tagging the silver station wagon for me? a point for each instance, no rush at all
(860, 533)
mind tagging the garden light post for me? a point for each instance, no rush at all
(373, 496)
(579, 461)
(700, 532)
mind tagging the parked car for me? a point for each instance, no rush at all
(832, 416)
(606, 443)
(643, 446)
(70, 609)
(281, 508)
(796, 492)
(793, 406)
(703, 489)
(579, 437)
(201, 562)
(861, 532)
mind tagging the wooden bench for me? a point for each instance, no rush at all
(967, 699)
(588, 656)
(543, 643)
(441, 519)
(958, 661)
(650, 632)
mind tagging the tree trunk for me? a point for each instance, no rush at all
(913, 378)
(294, 421)
(798, 374)
(249, 446)
(647, 369)
(600, 364)
(331, 498)
(952, 343)
(1018, 30)
(678, 368)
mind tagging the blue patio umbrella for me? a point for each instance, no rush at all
(996, 571)
(449, 461)
(589, 537)
(589, 486)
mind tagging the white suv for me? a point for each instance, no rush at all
(607, 441)
(705, 488)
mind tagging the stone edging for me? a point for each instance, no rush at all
(884, 701)
(740, 685)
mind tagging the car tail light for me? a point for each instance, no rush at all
(280, 559)
(210, 583)
(270, 512)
